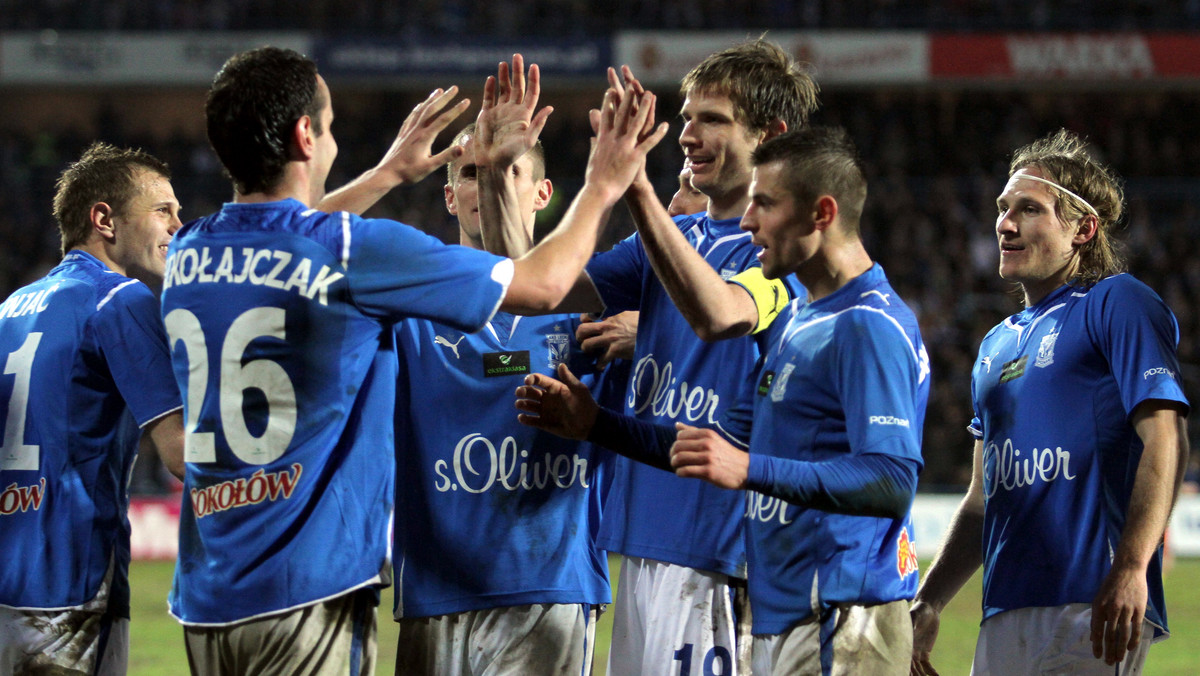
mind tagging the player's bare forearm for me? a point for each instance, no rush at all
(713, 308)
(961, 552)
(1162, 429)
(165, 436)
(957, 559)
(501, 222)
(541, 283)
(1120, 603)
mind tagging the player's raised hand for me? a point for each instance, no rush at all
(507, 126)
(564, 407)
(926, 622)
(703, 454)
(610, 338)
(411, 157)
(620, 147)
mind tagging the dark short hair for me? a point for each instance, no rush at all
(764, 83)
(104, 173)
(537, 153)
(255, 100)
(1063, 157)
(819, 161)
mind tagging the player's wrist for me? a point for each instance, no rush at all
(601, 189)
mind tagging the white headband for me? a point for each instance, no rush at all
(1091, 209)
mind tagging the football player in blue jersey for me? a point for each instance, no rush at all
(831, 418)
(682, 580)
(280, 318)
(86, 372)
(496, 565)
(1080, 439)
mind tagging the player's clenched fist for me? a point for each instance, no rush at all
(704, 454)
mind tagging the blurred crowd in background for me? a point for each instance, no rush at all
(563, 18)
(936, 158)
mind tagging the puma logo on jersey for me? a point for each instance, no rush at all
(882, 296)
(438, 340)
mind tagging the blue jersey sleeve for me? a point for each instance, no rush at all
(858, 485)
(878, 376)
(617, 274)
(394, 270)
(639, 440)
(1138, 334)
(737, 420)
(130, 332)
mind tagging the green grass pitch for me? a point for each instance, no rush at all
(157, 641)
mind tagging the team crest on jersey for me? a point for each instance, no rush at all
(1045, 355)
(906, 555)
(560, 347)
(779, 384)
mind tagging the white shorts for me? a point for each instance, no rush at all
(851, 640)
(542, 638)
(670, 619)
(334, 637)
(1054, 640)
(73, 641)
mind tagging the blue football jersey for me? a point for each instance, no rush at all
(85, 365)
(491, 512)
(1054, 388)
(676, 377)
(844, 375)
(280, 321)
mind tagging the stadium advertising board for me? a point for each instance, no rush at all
(838, 57)
(1082, 57)
(400, 59)
(85, 58)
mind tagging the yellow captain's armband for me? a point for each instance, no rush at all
(770, 295)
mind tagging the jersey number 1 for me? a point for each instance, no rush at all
(16, 454)
(235, 378)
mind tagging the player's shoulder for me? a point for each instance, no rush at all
(107, 288)
(1122, 287)
(870, 300)
(1120, 295)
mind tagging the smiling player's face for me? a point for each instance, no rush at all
(1037, 249)
(144, 226)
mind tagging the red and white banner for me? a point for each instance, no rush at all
(155, 528)
(1086, 57)
(661, 59)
